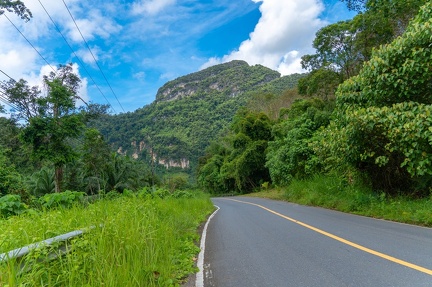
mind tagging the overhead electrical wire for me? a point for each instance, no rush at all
(34, 48)
(3, 96)
(78, 58)
(4, 99)
(4, 73)
(94, 58)
(6, 102)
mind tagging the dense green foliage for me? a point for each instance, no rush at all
(239, 162)
(60, 199)
(377, 131)
(290, 155)
(382, 120)
(10, 179)
(51, 120)
(12, 147)
(343, 47)
(10, 205)
(45, 146)
(384, 113)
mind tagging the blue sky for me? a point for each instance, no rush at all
(141, 44)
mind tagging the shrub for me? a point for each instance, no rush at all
(161, 193)
(61, 199)
(11, 205)
(182, 194)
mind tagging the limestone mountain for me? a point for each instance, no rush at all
(189, 112)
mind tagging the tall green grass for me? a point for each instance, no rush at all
(141, 242)
(334, 192)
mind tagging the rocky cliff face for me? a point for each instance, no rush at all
(231, 79)
(167, 163)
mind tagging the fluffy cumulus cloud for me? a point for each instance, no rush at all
(151, 7)
(284, 29)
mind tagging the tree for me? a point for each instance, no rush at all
(355, 5)
(16, 152)
(240, 165)
(337, 58)
(17, 7)
(384, 113)
(52, 119)
(321, 83)
(290, 155)
(271, 104)
(119, 173)
(10, 179)
(335, 50)
(343, 47)
(95, 158)
(397, 13)
(24, 97)
(41, 182)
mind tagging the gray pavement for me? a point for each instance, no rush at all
(249, 246)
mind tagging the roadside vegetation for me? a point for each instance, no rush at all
(335, 193)
(139, 238)
(358, 135)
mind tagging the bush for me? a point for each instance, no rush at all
(10, 179)
(11, 205)
(161, 193)
(177, 181)
(61, 199)
(182, 194)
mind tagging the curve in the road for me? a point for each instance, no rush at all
(347, 242)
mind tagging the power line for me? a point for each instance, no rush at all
(4, 99)
(79, 60)
(3, 96)
(4, 73)
(29, 42)
(94, 58)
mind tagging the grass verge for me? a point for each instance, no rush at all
(333, 193)
(143, 242)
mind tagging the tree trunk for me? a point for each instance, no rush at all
(58, 178)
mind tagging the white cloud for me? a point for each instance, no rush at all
(290, 64)
(151, 7)
(95, 24)
(285, 27)
(87, 57)
(15, 62)
(139, 76)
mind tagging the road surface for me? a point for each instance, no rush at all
(259, 242)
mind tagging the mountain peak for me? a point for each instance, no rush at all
(231, 78)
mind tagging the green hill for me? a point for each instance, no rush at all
(189, 112)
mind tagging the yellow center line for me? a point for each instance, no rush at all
(340, 239)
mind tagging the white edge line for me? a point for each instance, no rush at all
(200, 264)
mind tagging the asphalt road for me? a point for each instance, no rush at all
(292, 245)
